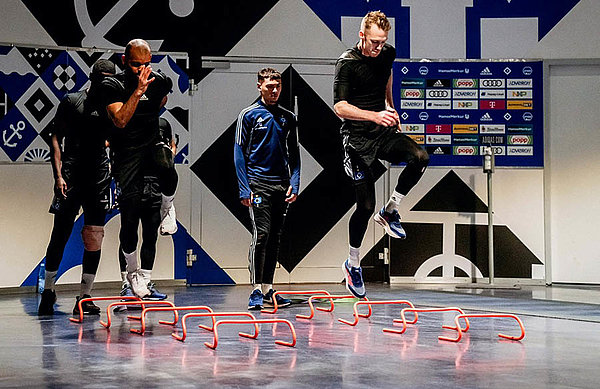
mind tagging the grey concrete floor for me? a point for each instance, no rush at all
(560, 349)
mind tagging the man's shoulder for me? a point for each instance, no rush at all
(116, 81)
(286, 112)
(389, 51)
(74, 98)
(251, 110)
(159, 75)
(351, 54)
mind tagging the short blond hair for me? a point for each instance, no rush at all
(377, 18)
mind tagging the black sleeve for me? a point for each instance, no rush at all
(341, 81)
(166, 133)
(164, 83)
(111, 91)
(392, 55)
(61, 118)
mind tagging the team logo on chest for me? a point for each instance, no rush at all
(260, 124)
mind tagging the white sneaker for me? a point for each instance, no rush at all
(138, 285)
(168, 225)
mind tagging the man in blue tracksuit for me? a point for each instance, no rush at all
(267, 163)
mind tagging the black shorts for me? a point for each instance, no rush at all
(144, 193)
(91, 195)
(391, 146)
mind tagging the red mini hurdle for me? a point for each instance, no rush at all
(168, 309)
(422, 310)
(257, 321)
(293, 292)
(357, 315)
(110, 298)
(330, 309)
(213, 315)
(490, 315)
(127, 303)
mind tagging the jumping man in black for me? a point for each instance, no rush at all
(133, 100)
(363, 99)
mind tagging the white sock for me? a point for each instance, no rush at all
(166, 203)
(147, 275)
(131, 260)
(354, 257)
(50, 279)
(393, 202)
(266, 288)
(87, 283)
(124, 280)
(257, 287)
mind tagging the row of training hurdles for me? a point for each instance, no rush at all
(314, 295)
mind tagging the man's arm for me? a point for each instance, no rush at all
(294, 162)
(343, 109)
(121, 113)
(60, 185)
(389, 100)
(241, 139)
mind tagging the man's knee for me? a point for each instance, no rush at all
(262, 237)
(92, 237)
(422, 157)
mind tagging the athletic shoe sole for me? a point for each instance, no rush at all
(278, 304)
(382, 222)
(348, 287)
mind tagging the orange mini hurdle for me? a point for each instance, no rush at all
(356, 314)
(168, 309)
(126, 303)
(330, 309)
(213, 315)
(293, 292)
(257, 321)
(110, 298)
(422, 310)
(490, 315)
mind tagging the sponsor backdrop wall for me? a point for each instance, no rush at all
(444, 215)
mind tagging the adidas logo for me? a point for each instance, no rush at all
(259, 120)
(486, 72)
(438, 84)
(438, 151)
(95, 113)
(143, 98)
(486, 117)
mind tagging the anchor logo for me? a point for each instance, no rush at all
(15, 132)
(95, 33)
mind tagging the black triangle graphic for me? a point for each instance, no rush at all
(511, 257)
(451, 194)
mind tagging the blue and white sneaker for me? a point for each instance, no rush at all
(391, 223)
(126, 292)
(281, 302)
(354, 280)
(255, 302)
(154, 295)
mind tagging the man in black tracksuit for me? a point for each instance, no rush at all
(82, 180)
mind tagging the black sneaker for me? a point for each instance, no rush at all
(281, 302)
(89, 308)
(47, 304)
